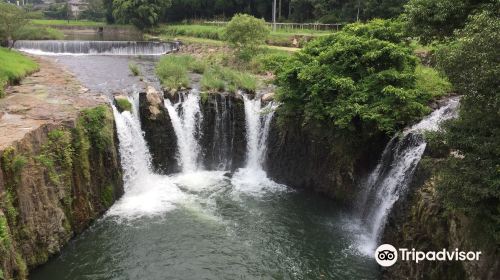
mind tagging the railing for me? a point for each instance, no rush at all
(292, 26)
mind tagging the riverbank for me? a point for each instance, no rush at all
(59, 166)
(14, 67)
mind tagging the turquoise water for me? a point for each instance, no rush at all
(217, 231)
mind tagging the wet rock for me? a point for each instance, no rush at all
(158, 131)
(305, 157)
(268, 97)
(223, 140)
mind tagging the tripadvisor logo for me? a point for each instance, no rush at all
(386, 255)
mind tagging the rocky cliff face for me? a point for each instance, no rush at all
(53, 183)
(223, 139)
(304, 157)
(421, 222)
(158, 132)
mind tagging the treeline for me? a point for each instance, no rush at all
(324, 11)
(149, 13)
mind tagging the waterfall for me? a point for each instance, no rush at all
(60, 47)
(186, 119)
(392, 175)
(146, 193)
(252, 178)
(258, 121)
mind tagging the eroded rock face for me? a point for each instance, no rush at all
(53, 183)
(421, 222)
(302, 157)
(223, 139)
(158, 132)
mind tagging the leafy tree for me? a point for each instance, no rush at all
(58, 11)
(141, 13)
(469, 181)
(437, 19)
(95, 10)
(108, 13)
(246, 33)
(13, 19)
(353, 82)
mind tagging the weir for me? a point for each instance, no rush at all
(61, 47)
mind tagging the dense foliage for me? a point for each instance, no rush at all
(437, 19)
(246, 33)
(354, 81)
(469, 180)
(141, 13)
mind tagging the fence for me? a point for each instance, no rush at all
(291, 26)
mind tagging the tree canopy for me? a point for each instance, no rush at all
(359, 81)
(469, 180)
(437, 19)
(141, 13)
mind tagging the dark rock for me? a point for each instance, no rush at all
(302, 157)
(223, 139)
(158, 132)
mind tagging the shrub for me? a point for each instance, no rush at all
(173, 72)
(246, 33)
(122, 104)
(354, 84)
(134, 68)
(431, 82)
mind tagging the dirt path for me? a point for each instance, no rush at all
(51, 95)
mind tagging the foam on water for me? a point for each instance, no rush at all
(146, 193)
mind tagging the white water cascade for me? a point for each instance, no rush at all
(146, 193)
(392, 175)
(252, 178)
(186, 119)
(61, 47)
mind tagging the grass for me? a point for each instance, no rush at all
(430, 81)
(134, 68)
(122, 104)
(63, 22)
(40, 33)
(218, 78)
(283, 38)
(173, 72)
(14, 67)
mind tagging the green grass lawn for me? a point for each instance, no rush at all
(66, 22)
(283, 38)
(14, 67)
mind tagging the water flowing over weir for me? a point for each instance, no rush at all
(392, 175)
(60, 47)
